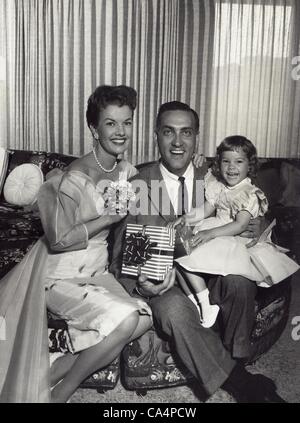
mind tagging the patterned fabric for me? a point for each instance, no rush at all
(148, 363)
(19, 230)
(45, 161)
(106, 378)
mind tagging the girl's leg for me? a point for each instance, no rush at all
(208, 312)
(97, 356)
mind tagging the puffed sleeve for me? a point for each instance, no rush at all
(127, 170)
(58, 202)
(213, 188)
(253, 200)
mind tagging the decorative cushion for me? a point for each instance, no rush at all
(22, 184)
(3, 166)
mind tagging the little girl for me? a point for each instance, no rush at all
(230, 193)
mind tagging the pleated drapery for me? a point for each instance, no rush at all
(254, 92)
(58, 51)
(231, 60)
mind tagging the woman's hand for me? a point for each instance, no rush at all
(115, 218)
(149, 289)
(198, 160)
(201, 237)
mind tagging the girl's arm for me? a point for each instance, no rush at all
(193, 217)
(230, 229)
(196, 215)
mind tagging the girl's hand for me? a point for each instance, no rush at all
(201, 237)
(177, 222)
(198, 160)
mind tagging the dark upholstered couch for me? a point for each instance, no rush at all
(150, 362)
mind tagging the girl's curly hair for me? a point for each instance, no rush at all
(235, 143)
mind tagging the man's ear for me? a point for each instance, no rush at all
(197, 141)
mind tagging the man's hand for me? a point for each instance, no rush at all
(149, 289)
(198, 160)
(254, 230)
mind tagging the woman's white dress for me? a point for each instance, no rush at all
(265, 263)
(79, 288)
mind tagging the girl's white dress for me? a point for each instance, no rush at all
(265, 263)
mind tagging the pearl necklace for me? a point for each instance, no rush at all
(100, 165)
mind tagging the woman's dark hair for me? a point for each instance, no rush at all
(236, 143)
(105, 95)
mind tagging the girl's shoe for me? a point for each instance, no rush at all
(209, 314)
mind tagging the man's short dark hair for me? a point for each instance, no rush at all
(176, 105)
(105, 95)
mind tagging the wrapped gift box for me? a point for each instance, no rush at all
(148, 250)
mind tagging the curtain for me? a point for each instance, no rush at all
(58, 51)
(254, 89)
(234, 61)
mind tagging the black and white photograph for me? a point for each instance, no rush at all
(149, 204)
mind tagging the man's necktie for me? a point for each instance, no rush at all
(182, 197)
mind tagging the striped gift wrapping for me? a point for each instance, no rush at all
(162, 253)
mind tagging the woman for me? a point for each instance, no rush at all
(102, 317)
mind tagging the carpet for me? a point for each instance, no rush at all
(281, 363)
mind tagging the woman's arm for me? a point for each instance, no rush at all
(230, 229)
(58, 206)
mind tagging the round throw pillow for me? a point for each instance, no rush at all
(22, 184)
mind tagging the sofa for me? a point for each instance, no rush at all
(151, 362)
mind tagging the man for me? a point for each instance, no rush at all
(201, 350)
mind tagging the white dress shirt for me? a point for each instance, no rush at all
(173, 184)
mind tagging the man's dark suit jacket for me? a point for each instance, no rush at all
(148, 173)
